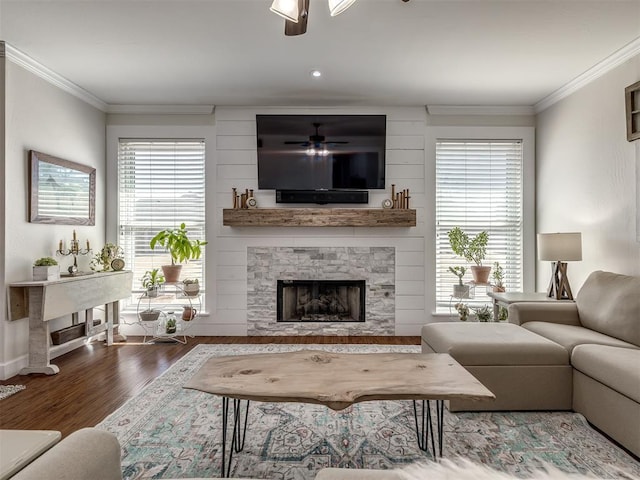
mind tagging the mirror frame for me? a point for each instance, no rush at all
(34, 168)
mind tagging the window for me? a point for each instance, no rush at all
(161, 183)
(479, 187)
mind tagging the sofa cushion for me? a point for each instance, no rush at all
(618, 368)
(492, 344)
(569, 335)
(609, 303)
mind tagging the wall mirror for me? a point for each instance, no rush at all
(61, 192)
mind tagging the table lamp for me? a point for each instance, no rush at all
(559, 248)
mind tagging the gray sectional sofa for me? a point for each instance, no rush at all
(583, 356)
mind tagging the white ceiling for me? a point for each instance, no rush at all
(378, 52)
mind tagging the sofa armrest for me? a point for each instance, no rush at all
(560, 312)
(88, 453)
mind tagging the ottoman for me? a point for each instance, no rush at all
(523, 370)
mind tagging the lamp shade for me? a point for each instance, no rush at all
(563, 247)
(286, 8)
(336, 7)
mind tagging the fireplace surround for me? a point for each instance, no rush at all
(375, 266)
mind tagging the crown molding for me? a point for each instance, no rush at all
(28, 63)
(479, 110)
(612, 61)
(162, 109)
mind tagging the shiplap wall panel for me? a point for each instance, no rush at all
(236, 167)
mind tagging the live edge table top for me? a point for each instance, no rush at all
(338, 380)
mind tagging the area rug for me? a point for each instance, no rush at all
(8, 390)
(170, 432)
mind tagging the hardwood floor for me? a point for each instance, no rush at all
(95, 380)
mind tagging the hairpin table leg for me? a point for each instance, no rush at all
(238, 434)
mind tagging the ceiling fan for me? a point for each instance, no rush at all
(296, 13)
(316, 140)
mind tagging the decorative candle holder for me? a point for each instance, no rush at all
(75, 250)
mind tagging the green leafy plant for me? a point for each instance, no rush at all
(463, 311)
(459, 272)
(190, 281)
(171, 326)
(178, 244)
(484, 313)
(106, 255)
(498, 275)
(472, 249)
(45, 262)
(152, 279)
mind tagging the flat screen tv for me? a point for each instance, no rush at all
(321, 152)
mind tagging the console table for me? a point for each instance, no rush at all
(41, 301)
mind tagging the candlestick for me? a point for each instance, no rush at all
(88, 247)
(74, 236)
(60, 245)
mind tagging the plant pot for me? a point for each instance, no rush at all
(149, 315)
(480, 273)
(171, 273)
(461, 291)
(152, 292)
(46, 272)
(189, 313)
(191, 289)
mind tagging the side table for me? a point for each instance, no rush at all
(507, 298)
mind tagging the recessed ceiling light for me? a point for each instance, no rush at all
(316, 73)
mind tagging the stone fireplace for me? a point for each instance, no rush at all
(321, 300)
(314, 304)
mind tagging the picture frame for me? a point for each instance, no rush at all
(61, 192)
(632, 107)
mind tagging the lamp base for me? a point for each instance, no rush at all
(559, 287)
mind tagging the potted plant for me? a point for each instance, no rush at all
(191, 287)
(463, 311)
(46, 268)
(484, 313)
(498, 277)
(460, 290)
(472, 249)
(106, 256)
(180, 247)
(151, 280)
(171, 326)
(149, 315)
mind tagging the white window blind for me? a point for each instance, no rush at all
(479, 187)
(160, 185)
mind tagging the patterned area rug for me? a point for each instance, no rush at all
(8, 390)
(170, 432)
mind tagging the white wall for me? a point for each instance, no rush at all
(42, 117)
(236, 167)
(587, 176)
(230, 137)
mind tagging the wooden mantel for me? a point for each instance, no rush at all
(318, 217)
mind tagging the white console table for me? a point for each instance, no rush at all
(41, 301)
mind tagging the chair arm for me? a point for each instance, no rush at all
(560, 312)
(88, 453)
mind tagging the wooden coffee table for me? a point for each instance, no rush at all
(336, 380)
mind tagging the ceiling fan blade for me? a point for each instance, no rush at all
(291, 28)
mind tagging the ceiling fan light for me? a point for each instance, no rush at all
(287, 9)
(336, 7)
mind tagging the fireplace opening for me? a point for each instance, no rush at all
(321, 300)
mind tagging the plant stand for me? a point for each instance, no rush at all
(172, 298)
